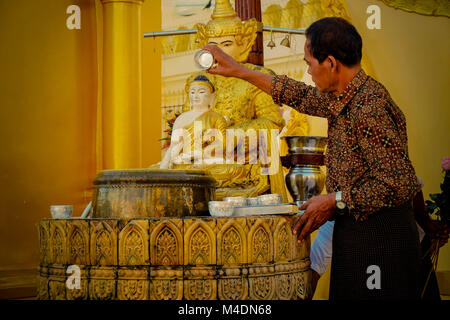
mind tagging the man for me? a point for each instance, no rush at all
(370, 180)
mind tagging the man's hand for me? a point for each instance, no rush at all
(436, 230)
(318, 210)
(224, 64)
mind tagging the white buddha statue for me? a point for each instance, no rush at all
(198, 134)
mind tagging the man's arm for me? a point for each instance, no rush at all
(296, 94)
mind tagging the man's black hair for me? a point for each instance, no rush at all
(335, 37)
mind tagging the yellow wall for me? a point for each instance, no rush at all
(48, 99)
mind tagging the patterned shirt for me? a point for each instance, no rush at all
(367, 153)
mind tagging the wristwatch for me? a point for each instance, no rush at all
(340, 204)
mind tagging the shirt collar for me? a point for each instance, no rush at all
(350, 91)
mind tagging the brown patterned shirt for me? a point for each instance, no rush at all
(367, 153)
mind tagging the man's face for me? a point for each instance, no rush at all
(228, 45)
(320, 72)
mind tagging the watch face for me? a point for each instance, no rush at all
(340, 205)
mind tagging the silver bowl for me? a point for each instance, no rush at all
(306, 144)
(272, 198)
(61, 211)
(236, 201)
(252, 201)
(220, 208)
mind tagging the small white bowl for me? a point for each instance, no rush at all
(220, 208)
(237, 201)
(61, 211)
(252, 201)
(272, 198)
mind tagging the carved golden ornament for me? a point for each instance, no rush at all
(166, 248)
(200, 289)
(133, 248)
(232, 289)
(262, 287)
(231, 247)
(200, 247)
(261, 246)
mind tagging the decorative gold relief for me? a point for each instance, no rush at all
(58, 242)
(133, 243)
(42, 281)
(260, 241)
(44, 242)
(103, 242)
(132, 284)
(200, 283)
(282, 240)
(166, 283)
(261, 283)
(78, 242)
(285, 288)
(57, 283)
(166, 242)
(232, 283)
(232, 241)
(102, 284)
(199, 241)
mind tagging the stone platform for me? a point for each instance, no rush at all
(201, 258)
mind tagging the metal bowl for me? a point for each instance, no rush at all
(306, 144)
(220, 208)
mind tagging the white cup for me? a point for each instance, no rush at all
(203, 59)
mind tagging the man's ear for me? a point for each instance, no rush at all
(333, 63)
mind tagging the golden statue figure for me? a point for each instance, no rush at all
(242, 104)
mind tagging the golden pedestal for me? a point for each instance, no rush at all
(192, 258)
(131, 250)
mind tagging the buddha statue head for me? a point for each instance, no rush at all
(227, 31)
(201, 92)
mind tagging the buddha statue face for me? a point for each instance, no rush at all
(227, 31)
(229, 45)
(200, 95)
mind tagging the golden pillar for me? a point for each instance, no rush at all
(122, 84)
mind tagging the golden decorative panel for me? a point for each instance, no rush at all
(200, 283)
(166, 283)
(132, 284)
(57, 283)
(261, 282)
(102, 283)
(199, 241)
(133, 243)
(58, 242)
(166, 242)
(103, 242)
(233, 283)
(44, 242)
(260, 241)
(78, 242)
(282, 239)
(232, 241)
